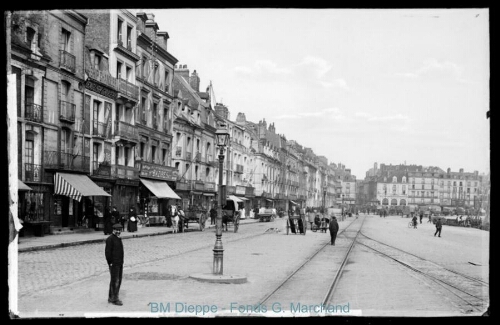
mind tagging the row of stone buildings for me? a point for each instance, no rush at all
(107, 117)
(416, 185)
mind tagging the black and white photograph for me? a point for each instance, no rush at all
(248, 162)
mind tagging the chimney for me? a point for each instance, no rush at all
(241, 119)
(221, 110)
(194, 81)
(151, 27)
(461, 170)
(448, 170)
(162, 39)
(182, 71)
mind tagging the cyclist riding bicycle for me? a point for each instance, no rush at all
(414, 222)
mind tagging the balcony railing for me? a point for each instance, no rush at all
(127, 131)
(101, 168)
(67, 61)
(189, 155)
(198, 157)
(99, 129)
(33, 112)
(67, 111)
(128, 89)
(33, 173)
(67, 161)
(239, 169)
(124, 172)
(178, 151)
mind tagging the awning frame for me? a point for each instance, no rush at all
(153, 187)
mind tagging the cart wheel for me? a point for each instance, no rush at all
(287, 226)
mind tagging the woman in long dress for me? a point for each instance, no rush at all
(132, 220)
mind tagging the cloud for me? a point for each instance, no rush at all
(331, 112)
(310, 70)
(434, 69)
(262, 68)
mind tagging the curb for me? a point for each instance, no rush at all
(93, 241)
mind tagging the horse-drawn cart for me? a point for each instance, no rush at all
(231, 213)
(195, 215)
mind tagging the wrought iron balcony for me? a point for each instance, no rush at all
(33, 112)
(33, 173)
(67, 61)
(128, 89)
(198, 157)
(66, 161)
(102, 168)
(99, 129)
(124, 172)
(239, 169)
(126, 131)
(189, 155)
(67, 111)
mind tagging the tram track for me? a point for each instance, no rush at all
(306, 284)
(470, 292)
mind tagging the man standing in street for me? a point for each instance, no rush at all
(439, 225)
(114, 257)
(334, 228)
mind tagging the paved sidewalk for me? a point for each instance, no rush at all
(27, 244)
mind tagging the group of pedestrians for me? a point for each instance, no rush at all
(113, 217)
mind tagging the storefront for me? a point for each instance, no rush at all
(125, 194)
(154, 197)
(69, 209)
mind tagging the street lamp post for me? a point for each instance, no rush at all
(222, 138)
(342, 206)
(324, 198)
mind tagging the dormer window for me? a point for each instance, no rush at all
(97, 61)
(30, 37)
(119, 34)
(394, 179)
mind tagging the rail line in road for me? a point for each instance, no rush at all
(306, 284)
(469, 290)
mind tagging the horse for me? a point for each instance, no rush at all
(175, 219)
(226, 218)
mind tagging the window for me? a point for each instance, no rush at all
(129, 38)
(155, 113)
(95, 154)
(28, 151)
(30, 36)
(153, 154)
(97, 61)
(117, 155)
(97, 108)
(143, 110)
(164, 156)
(394, 179)
(404, 179)
(404, 189)
(29, 90)
(119, 70)
(142, 150)
(66, 35)
(422, 186)
(144, 66)
(394, 189)
(165, 119)
(156, 75)
(119, 35)
(128, 73)
(126, 155)
(177, 164)
(166, 81)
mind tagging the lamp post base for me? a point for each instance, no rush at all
(216, 278)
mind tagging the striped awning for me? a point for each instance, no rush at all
(294, 203)
(75, 186)
(22, 187)
(160, 189)
(234, 198)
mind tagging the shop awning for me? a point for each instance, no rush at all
(234, 198)
(22, 187)
(160, 189)
(75, 186)
(269, 200)
(295, 203)
(243, 198)
(209, 194)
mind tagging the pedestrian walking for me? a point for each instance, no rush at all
(114, 257)
(132, 220)
(108, 224)
(213, 215)
(421, 216)
(334, 228)
(439, 225)
(115, 217)
(414, 222)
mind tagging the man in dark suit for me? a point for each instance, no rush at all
(114, 257)
(334, 228)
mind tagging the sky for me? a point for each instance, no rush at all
(358, 86)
